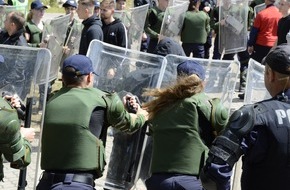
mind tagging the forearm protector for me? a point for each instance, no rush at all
(12, 145)
(25, 160)
(119, 118)
(227, 146)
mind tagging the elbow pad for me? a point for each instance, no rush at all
(25, 159)
(227, 146)
(11, 142)
(219, 115)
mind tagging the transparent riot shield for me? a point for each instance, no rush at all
(72, 41)
(173, 20)
(4, 9)
(178, 2)
(221, 76)
(259, 8)
(122, 70)
(21, 71)
(54, 34)
(255, 88)
(233, 19)
(134, 20)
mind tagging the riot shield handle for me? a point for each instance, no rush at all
(22, 174)
(20, 112)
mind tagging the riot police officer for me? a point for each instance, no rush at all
(13, 146)
(75, 127)
(260, 133)
(14, 140)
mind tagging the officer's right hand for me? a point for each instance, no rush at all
(206, 9)
(66, 50)
(251, 49)
(129, 100)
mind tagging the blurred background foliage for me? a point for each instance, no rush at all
(55, 6)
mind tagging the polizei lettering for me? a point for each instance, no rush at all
(282, 114)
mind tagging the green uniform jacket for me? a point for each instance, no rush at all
(214, 19)
(195, 27)
(67, 143)
(35, 34)
(153, 22)
(177, 145)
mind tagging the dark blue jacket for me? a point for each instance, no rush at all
(115, 33)
(266, 150)
(15, 39)
(92, 30)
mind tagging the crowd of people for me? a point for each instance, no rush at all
(195, 143)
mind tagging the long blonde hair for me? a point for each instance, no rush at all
(29, 16)
(185, 86)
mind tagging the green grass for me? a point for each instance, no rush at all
(55, 10)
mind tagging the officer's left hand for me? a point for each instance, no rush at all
(28, 133)
(14, 100)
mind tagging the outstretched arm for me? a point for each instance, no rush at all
(120, 118)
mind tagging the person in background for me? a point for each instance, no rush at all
(243, 56)
(207, 6)
(70, 7)
(33, 34)
(263, 34)
(92, 24)
(97, 9)
(258, 133)
(113, 28)
(195, 30)
(34, 23)
(179, 120)
(284, 22)
(153, 23)
(120, 5)
(14, 30)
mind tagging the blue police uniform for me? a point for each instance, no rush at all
(259, 132)
(265, 148)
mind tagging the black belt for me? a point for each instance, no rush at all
(80, 178)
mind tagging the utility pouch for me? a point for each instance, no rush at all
(25, 160)
(101, 158)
